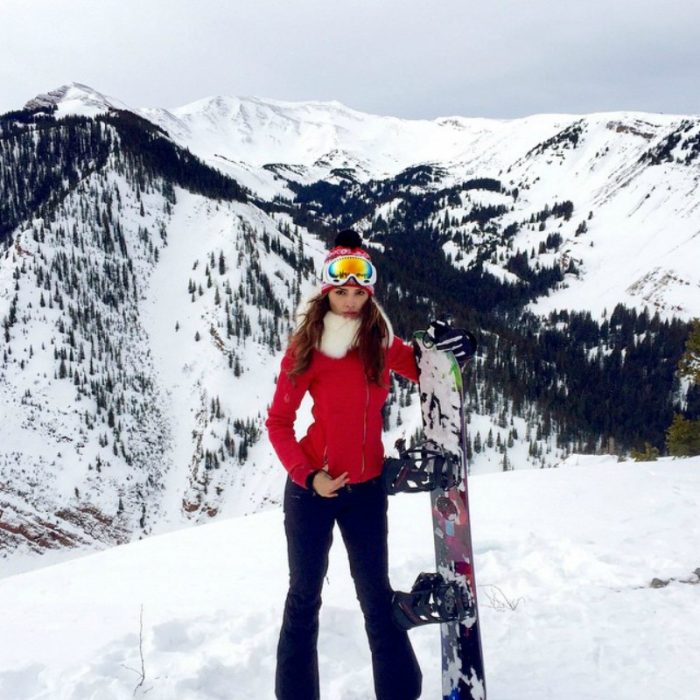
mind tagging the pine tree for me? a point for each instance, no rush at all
(683, 437)
(689, 365)
(505, 463)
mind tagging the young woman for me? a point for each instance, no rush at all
(341, 353)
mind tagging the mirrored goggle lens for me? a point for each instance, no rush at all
(342, 269)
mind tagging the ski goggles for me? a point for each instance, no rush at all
(342, 270)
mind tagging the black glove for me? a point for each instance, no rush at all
(461, 343)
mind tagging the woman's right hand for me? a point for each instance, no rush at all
(325, 485)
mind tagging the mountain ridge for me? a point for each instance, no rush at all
(144, 280)
(70, 96)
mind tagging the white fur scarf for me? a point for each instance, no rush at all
(340, 333)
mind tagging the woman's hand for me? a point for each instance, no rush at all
(325, 485)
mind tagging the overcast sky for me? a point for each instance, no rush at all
(408, 58)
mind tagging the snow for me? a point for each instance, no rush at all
(330, 135)
(638, 258)
(76, 99)
(564, 562)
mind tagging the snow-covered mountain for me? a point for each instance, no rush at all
(151, 261)
(631, 179)
(635, 175)
(587, 578)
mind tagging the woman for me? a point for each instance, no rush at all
(342, 353)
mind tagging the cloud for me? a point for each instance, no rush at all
(505, 58)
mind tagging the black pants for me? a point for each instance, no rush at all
(360, 511)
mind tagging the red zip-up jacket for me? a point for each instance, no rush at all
(346, 435)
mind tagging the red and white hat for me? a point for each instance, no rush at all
(348, 264)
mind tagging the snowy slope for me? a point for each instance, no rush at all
(565, 560)
(69, 479)
(195, 372)
(640, 246)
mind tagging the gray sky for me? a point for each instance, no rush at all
(408, 58)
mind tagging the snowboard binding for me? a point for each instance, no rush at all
(421, 468)
(432, 600)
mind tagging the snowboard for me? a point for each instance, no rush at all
(442, 466)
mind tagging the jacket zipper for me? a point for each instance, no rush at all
(364, 433)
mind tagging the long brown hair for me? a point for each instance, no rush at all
(372, 337)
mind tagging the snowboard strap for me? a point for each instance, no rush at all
(432, 600)
(421, 468)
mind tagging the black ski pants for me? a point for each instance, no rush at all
(361, 513)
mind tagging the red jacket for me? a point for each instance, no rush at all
(346, 435)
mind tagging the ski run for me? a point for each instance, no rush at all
(587, 578)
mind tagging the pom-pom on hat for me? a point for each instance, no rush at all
(348, 264)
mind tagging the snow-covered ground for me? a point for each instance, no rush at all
(564, 558)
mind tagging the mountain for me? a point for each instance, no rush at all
(611, 171)
(587, 579)
(151, 262)
(626, 169)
